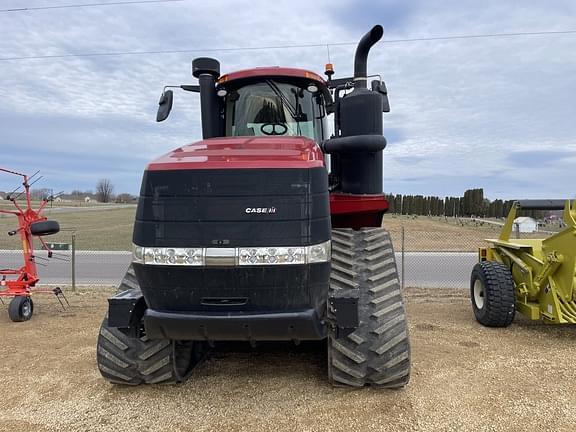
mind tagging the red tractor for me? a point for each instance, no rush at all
(22, 282)
(268, 229)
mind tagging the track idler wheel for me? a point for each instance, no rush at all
(21, 308)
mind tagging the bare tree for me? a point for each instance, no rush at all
(77, 194)
(124, 198)
(104, 189)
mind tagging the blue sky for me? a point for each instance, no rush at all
(494, 113)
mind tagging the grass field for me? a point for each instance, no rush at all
(424, 233)
(438, 234)
(110, 228)
(102, 228)
(7, 205)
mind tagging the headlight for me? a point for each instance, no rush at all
(168, 256)
(284, 255)
(273, 255)
(319, 253)
(137, 253)
(237, 256)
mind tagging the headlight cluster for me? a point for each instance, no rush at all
(169, 256)
(279, 255)
(241, 256)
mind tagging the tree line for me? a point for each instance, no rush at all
(104, 193)
(471, 204)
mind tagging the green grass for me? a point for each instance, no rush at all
(102, 229)
(110, 228)
(7, 205)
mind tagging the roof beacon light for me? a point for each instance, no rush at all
(329, 70)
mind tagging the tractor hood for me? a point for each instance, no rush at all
(243, 152)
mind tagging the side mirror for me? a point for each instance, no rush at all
(380, 87)
(164, 105)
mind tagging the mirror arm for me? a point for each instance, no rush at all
(165, 103)
(191, 88)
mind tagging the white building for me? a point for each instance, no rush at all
(525, 224)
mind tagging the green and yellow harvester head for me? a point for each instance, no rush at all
(536, 277)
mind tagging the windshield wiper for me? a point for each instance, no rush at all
(294, 112)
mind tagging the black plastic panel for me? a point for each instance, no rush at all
(295, 325)
(202, 208)
(265, 288)
(534, 204)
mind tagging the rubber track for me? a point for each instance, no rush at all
(377, 353)
(129, 282)
(126, 360)
(499, 297)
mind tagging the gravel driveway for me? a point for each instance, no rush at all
(465, 377)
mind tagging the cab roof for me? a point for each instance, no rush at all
(271, 71)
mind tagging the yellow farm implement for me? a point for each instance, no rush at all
(536, 277)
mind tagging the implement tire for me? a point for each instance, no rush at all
(377, 353)
(44, 228)
(131, 361)
(21, 308)
(492, 294)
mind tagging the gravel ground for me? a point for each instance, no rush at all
(465, 377)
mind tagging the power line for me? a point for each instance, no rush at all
(271, 47)
(485, 35)
(27, 9)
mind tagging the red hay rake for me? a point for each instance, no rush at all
(21, 283)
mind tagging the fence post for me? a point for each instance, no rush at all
(73, 261)
(402, 261)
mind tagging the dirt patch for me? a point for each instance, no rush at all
(434, 233)
(465, 378)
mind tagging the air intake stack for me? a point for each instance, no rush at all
(207, 70)
(357, 150)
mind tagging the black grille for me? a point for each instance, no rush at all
(203, 208)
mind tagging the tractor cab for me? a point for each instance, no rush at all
(266, 101)
(274, 102)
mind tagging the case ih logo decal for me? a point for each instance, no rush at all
(261, 210)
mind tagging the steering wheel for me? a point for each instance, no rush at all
(271, 128)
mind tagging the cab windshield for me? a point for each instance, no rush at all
(275, 108)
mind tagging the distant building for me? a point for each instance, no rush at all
(526, 224)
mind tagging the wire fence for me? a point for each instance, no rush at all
(424, 259)
(428, 259)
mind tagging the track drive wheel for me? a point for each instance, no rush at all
(123, 359)
(127, 360)
(377, 353)
(21, 308)
(492, 294)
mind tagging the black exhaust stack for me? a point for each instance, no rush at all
(207, 70)
(361, 56)
(357, 150)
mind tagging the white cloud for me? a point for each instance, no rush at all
(464, 107)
